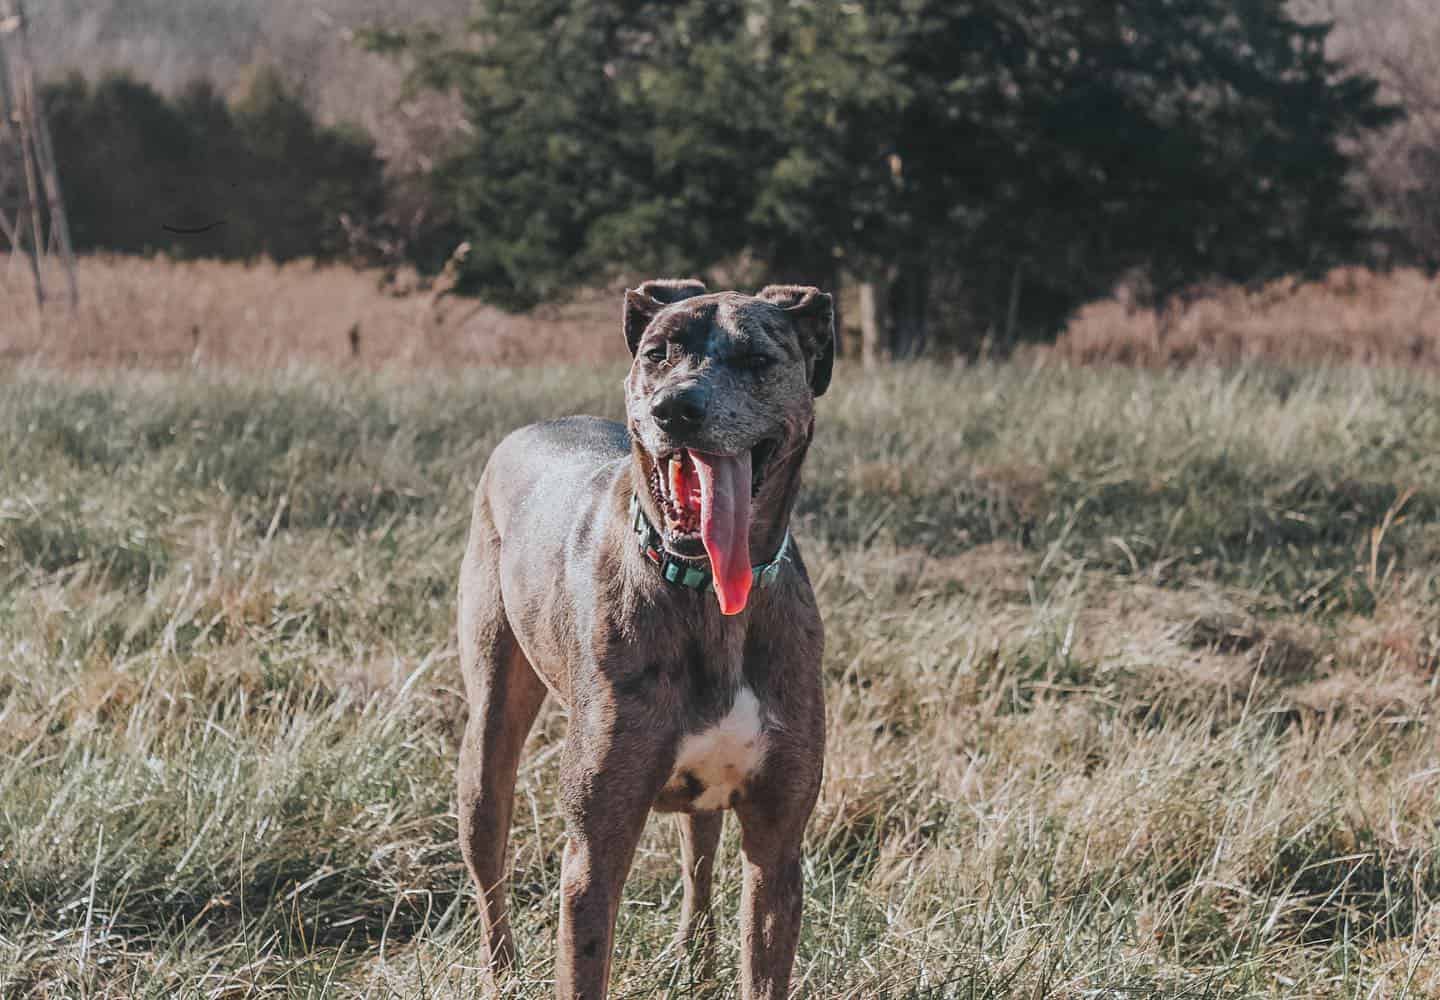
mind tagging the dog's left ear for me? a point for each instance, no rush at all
(643, 303)
(813, 313)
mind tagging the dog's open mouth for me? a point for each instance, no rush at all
(704, 501)
(675, 486)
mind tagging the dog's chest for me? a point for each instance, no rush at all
(713, 764)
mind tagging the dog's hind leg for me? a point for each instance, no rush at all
(505, 695)
(699, 842)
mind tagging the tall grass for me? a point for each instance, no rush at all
(1353, 316)
(163, 313)
(1131, 685)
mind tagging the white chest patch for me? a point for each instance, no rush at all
(721, 757)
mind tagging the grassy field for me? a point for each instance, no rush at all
(1131, 685)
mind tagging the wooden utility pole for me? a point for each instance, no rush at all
(30, 196)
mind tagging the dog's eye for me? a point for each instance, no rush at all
(657, 354)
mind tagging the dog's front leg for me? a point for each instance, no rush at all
(610, 776)
(772, 824)
(770, 922)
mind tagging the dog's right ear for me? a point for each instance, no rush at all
(643, 303)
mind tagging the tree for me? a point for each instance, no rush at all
(1037, 148)
(125, 154)
(196, 177)
(584, 149)
(301, 177)
(1063, 144)
(1398, 42)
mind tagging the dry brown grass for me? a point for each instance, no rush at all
(1353, 316)
(1131, 688)
(163, 313)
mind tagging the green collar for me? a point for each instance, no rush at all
(685, 573)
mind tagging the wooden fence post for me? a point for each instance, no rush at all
(30, 193)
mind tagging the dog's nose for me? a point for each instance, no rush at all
(679, 409)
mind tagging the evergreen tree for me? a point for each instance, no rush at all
(1038, 149)
(300, 176)
(125, 155)
(587, 145)
(194, 177)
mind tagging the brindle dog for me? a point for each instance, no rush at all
(644, 574)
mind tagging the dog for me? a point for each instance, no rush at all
(644, 574)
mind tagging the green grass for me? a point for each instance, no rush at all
(1131, 686)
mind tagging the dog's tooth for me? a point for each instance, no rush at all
(676, 477)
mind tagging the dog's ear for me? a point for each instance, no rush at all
(641, 304)
(813, 313)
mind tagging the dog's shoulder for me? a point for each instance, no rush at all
(551, 470)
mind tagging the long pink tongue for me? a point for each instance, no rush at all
(725, 525)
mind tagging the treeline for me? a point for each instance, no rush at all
(196, 176)
(1006, 160)
(994, 163)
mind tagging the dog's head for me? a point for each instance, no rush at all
(720, 404)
